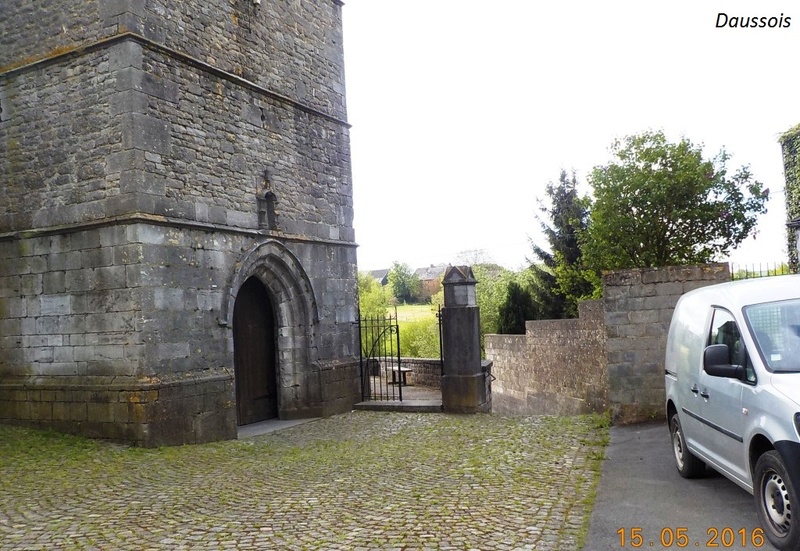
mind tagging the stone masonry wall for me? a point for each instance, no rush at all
(638, 310)
(610, 358)
(141, 307)
(58, 140)
(340, 384)
(425, 372)
(152, 157)
(70, 304)
(75, 355)
(557, 367)
(293, 49)
(144, 134)
(197, 154)
(191, 409)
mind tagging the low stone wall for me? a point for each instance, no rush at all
(610, 358)
(426, 372)
(557, 367)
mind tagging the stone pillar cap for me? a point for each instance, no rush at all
(459, 287)
(459, 275)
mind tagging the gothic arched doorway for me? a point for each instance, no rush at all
(254, 354)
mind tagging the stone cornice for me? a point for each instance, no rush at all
(156, 220)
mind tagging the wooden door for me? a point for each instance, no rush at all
(254, 354)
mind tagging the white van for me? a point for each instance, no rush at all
(733, 393)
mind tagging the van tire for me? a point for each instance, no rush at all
(774, 494)
(688, 465)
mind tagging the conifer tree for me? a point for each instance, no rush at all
(558, 282)
(515, 310)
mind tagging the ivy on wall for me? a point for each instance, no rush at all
(790, 144)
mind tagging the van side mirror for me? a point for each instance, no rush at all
(715, 363)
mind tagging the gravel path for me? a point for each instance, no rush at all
(359, 481)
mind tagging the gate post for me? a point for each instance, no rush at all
(464, 380)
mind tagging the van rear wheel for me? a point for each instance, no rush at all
(688, 465)
(775, 494)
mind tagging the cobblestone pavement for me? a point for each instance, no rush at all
(358, 481)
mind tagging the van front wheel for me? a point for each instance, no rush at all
(688, 465)
(774, 494)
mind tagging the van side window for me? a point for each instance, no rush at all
(725, 331)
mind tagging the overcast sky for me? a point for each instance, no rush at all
(463, 111)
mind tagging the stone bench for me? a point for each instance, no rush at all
(400, 375)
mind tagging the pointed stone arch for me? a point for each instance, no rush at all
(296, 317)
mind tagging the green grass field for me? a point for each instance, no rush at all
(415, 312)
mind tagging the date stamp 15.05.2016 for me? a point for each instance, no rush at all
(680, 538)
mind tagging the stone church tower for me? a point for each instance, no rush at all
(177, 254)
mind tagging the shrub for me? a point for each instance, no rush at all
(419, 338)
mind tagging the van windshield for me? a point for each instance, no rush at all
(776, 329)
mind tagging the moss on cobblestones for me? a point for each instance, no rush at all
(364, 480)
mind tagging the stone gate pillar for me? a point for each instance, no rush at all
(465, 388)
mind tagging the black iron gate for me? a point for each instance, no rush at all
(383, 375)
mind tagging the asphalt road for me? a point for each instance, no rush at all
(642, 498)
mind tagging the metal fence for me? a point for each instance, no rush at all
(765, 269)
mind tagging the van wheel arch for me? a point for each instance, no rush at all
(759, 445)
(671, 410)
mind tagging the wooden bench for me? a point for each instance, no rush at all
(400, 375)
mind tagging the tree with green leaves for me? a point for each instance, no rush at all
(490, 293)
(790, 145)
(373, 298)
(661, 203)
(557, 283)
(373, 304)
(404, 283)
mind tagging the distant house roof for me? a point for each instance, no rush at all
(381, 275)
(431, 273)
